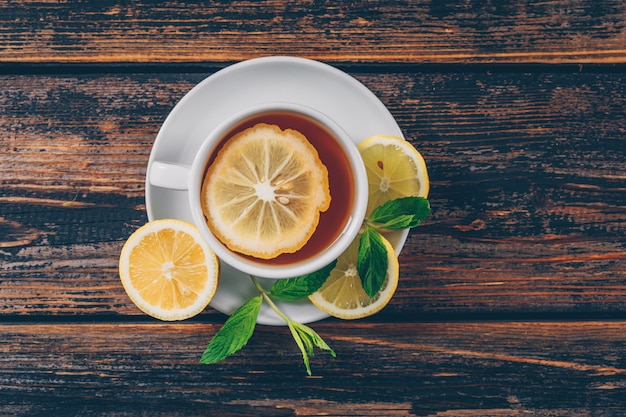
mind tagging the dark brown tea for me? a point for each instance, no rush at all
(340, 176)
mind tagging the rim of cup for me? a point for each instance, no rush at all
(266, 269)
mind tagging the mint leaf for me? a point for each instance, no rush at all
(398, 223)
(306, 339)
(401, 213)
(235, 332)
(372, 261)
(300, 287)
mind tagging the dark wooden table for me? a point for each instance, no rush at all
(512, 298)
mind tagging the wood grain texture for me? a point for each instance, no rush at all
(528, 195)
(512, 297)
(112, 31)
(428, 369)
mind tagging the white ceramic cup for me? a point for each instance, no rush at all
(190, 178)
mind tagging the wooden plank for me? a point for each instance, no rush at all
(536, 209)
(461, 369)
(363, 31)
(528, 195)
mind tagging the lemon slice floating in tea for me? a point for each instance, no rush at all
(394, 168)
(343, 296)
(168, 271)
(263, 194)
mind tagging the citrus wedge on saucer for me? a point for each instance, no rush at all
(168, 271)
(343, 296)
(263, 194)
(394, 168)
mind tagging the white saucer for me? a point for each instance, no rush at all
(245, 84)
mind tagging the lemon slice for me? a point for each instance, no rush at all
(394, 168)
(263, 194)
(343, 296)
(168, 271)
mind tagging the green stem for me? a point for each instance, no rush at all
(268, 299)
(367, 223)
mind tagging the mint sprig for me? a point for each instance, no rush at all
(372, 266)
(239, 327)
(395, 214)
(306, 339)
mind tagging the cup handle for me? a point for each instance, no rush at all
(167, 175)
